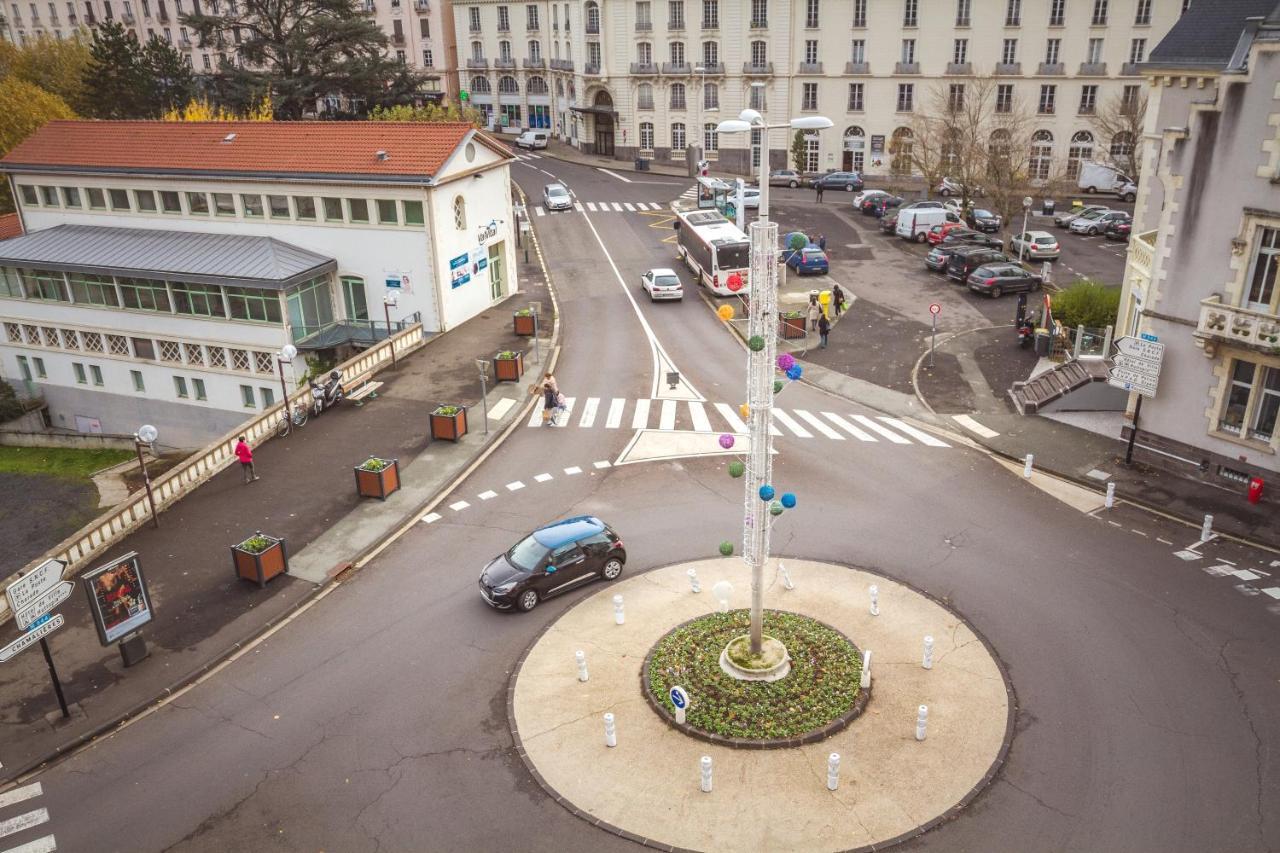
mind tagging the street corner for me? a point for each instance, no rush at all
(971, 372)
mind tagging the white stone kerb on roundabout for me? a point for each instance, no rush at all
(647, 787)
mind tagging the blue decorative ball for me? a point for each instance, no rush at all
(788, 500)
(794, 372)
(766, 492)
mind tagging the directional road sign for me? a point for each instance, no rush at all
(28, 588)
(43, 603)
(1137, 365)
(30, 638)
(679, 698)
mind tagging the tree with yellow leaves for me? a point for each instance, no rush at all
(24, 108)
(428, 112)
(199, 109)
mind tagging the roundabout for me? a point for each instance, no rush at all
(891, 785)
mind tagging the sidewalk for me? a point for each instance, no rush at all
(306, 495)
(564, 151)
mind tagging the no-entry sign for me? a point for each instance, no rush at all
(935, 309)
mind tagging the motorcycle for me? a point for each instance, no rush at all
(329, 394)
(1026, 332)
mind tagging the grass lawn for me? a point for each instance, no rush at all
(58, 461)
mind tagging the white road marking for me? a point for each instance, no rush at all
(17, 795)
(813, 421)
(861, 435)
(535, 417)
(23, 821)
(875, 427)
(1273, 591)
(640, 417)
(574, 469)
(698, 413)
(591, 206)
(790, 423)
(974, 427)
(540, 211)
(589, 408)
(459, 506)
(1245, 575)
(515, 487)
(919, 435)
(1163, 541)
(1137, 531)
(617, 207)
(616, 175)
(1187, 555)
(668, 419)
(501, 407)
(542, 478)
(577, 205)
(628, 206)
(487, 495)
(601, 464)
(40, 845)
(431, 518)
(545, 172)
(735, 422)
(568, 408)
(616, 407)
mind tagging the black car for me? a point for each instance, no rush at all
(984, 220)
(878, 207)
(965, 260)
(995, 279)
(850, 181)
(889, 222)
(1119, 230)
(552, 560)
(970, 237)
(939, 256)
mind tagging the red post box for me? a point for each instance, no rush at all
(1255, 489)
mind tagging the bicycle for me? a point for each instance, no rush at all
(286, 424)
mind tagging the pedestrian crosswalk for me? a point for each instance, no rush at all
(529, 156)
(18, 820)
(690, 194)
(612, 207)
(686, 415)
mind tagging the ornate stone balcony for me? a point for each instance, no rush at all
(1242, 327)
(751, 70)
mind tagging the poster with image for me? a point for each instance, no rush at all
(118, 598)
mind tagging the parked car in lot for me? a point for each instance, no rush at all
(1119, 230)
(889, 222)
(750, 198)
(849, 181)
(786, 178)
(864, 196)
(884, 204)
(809, 260)
(1035, 246)
(938, 232)
(981, 219)
(968, 237)
(997, 279)
(949, 187)
(924, 204)
(1096, 224)
(556, 197)
(1062, 220)
(939, 256)
(551, 560)
(914, 222)
(965, 260)
(662, 283)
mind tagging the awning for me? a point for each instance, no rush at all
(599, 111)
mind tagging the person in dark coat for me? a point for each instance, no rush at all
(824, 329)
(817, 186)
(837, 299)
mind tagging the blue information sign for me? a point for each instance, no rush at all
(679, 698)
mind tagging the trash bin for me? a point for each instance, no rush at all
(1047, 206)
(1044, 345)
(642, 165)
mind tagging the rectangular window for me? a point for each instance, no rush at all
(962, 13)
(960, 52)
(1088, 100)
(1093, 55)
(1253, 401)
(197, 385)
(1057, 12)
(246, 396)
(71, 196)
(198, 203)
(224, 204)
(906, 97)
(41, 373)
(332, 209)
(244, 303)
(1004, 98)
(1099, 13)
(855, 97)
(29, 195)
(387, 212)
(146, 201)
(49, 196)
(811, 14)
(358, 209)
(78, 369)
(1048, 96)
(759, 13)
(811, 51)
(413, 213)
(200, 300)
(144, 294)
(1261, 294)
(859, 52)
(1009, 52)
(252, 205)
(809, 100)
(170, 201)
(44, 284)
(96, 373)
(475, 19)
(955, 97)
(644, 13)
(1129, 100)
(1137, 51)
(859, 13)
(88, 289)
(138, 384)
(304, 207)
(1143, 15)
(1052, 49)
(531, 17)
(711, 14)
(675, 15)
(908, 51)
(180, 386)
(24, 368)
(119, 199)
(278, 206)
(504, 18)
(97, 198)
(910, 13)
(268, 397)
(1013, 13)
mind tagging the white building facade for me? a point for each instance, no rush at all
(164, 265)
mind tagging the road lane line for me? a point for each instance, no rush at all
(601, 464)
(668, 419)
(459, 506)
(47, 844)
(23, 821)
(859, 434)
(617, 207)
(591, 206)
(919, 435)
(699, 414)
(790, 423)
(615, 175)
(589, 408)
(577, 205)
(540, 211)
(515, 487)
(616, 407)
(731, 417)
(640, 418)
(487, 495)
(568, 409)
(17, 795)
(819, 425)
(542, 478)
(884, 431)
(535, 417)
(573, 469)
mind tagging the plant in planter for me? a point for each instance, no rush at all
(523, 322)
(508, 366)
(377, 478)
(260, 558)
(792, 324)
(449, 422)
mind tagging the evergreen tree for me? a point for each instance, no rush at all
(799, 151)
(170, 79)
(116, 81)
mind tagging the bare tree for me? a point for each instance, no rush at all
(1119, 124)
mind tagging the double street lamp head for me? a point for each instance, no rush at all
(750, 119)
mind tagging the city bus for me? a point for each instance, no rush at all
(713, 248)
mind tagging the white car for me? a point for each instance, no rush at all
(556, 197)
(866, 195)
(750, 198)
(950, 187)
(1035, 246)
(662, 283)
(1062, 220)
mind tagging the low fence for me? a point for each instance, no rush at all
(118, 522)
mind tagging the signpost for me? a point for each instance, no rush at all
(28, 588)
(680, 699)
(46, 601)
(934, 310)
(1136, 368)
(31, 597)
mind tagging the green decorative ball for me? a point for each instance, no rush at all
(756, 343)
(775, 508)
(737, 469)
(777, 385)
(726, 549)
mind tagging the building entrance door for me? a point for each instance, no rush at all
(497, 280)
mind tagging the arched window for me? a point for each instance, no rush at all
(460, 213)
(507, 85)
(1081, 151)
(677, 136)
(1122, 144)
(999, 155)
(644, 97)
(480, 85)
(644, 53)
(477, 51)
(646, 136)
(593, 17)
(710, 96)
(900, 147)
(854, 130)
(677, 96)
(535, 51)
(537, 86)
(1041, 162)
(573, 91)
(559, 88)
(710, 139)
(504, 51)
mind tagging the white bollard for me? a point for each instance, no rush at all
(618, 616)
(706, 774)
(1206, 529)
(922, 721)
(581, 658)
(610, 731)
(786, 576)
(927, 662)
(874, 592)
(1026, 467)
(865, 682)
(833, 771)
(693, 580)
(1111, 495)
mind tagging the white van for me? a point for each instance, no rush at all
(532, 139)
(914, 222)
(1101, 178)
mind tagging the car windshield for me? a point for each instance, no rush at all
(1045, 241)
(556, 191)
(814, 254)
(665, 280)
(983, 214)
(1092, 214)
(527, 554)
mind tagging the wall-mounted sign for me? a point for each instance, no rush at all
(118, 598)
(459, 270)
(877, 143)
(397, 281)
(487, 232)
(854, 143)
(479, 260)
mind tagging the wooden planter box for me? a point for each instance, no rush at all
(261, 568)
(378, 484)
(449, 427)
(523, 324)
(792, 327)
(508, 369)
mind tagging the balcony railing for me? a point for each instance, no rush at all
(562, 64)
(1008, 69)
(1129, 69)
(710, 69)
(753, 70)
(962, 68)
(711, 23)
(421, 6)
(906, 68)
(397, 38)
(1092, 69)
(675, 68)
(478, 63)
(1229, 324)
(1142, 253)
(535, 63)
(760, 24)
(504, 63)
(809, 68)
(644, 26)
(593, 29)
(644, 68)
(857, 68)
(591, 68)
(1053, 69)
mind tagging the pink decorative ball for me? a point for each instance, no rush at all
(726, 441)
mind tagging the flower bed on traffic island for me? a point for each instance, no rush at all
(818, 698)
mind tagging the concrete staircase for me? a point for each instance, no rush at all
(1044, 391)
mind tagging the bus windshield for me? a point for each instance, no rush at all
(733, 256)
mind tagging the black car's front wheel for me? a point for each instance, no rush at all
(527, 600)
(612, 569)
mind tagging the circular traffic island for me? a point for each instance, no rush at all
(739, 699)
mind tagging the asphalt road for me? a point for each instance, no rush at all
(376, 721)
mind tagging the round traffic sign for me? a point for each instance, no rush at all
(935, 308)
(679, 698)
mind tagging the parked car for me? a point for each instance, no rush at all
(981, 219)
(1062, 220)
(889, 222)
(884, 204)
(532, 139)
(864, 198)
(1119, 230)
(938, 232)
(1128, 191)
(551, 560)
(786, 178)
(848, 181)
(662, 283)
(1096, 224)
(996, 279)
(950, 187)
(1035, 245)
(914, 222)
(556, 197)
(750, 198)
(924, 204)
(972, 238)
(939, 256)
(965, 260)
(809, 260)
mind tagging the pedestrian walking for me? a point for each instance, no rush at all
(245, 455)
(824, 329)
(822, 242)
(815, 311)
(817, 186)
(550, 393)
(837, 299)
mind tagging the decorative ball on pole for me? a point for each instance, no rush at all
(726, 441)
(287, 353)
(725, 312)
(766, 492)
(147, 434)
(390, 299)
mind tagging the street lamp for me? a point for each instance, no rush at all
(146, 434)
(1026, 211)
(287, 353)
(390, 299)
(762, 312)
(701, 71)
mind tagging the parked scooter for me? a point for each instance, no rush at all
(329, 394)
(1026, 332)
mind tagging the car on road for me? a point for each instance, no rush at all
(556, 197)
(1119, 230)
(849, 181)
(996, 279)
(981, 219)
(889, 222)
(532, 139)
(1035, 245)
(750, 198)
(1096, 224)
(938, 232)
(966, 260)
(662, 283)
(971, 238)
(809, 260)
(792, 242)
(786, 178)
(939, 256)
(552, 560)
(1062, 220)
(950, 186)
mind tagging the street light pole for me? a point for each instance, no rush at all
(146, 434)
(288, 353)
(1026, 211)
(390, 300)
(483, 366)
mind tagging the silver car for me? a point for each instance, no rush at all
(556, 197)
